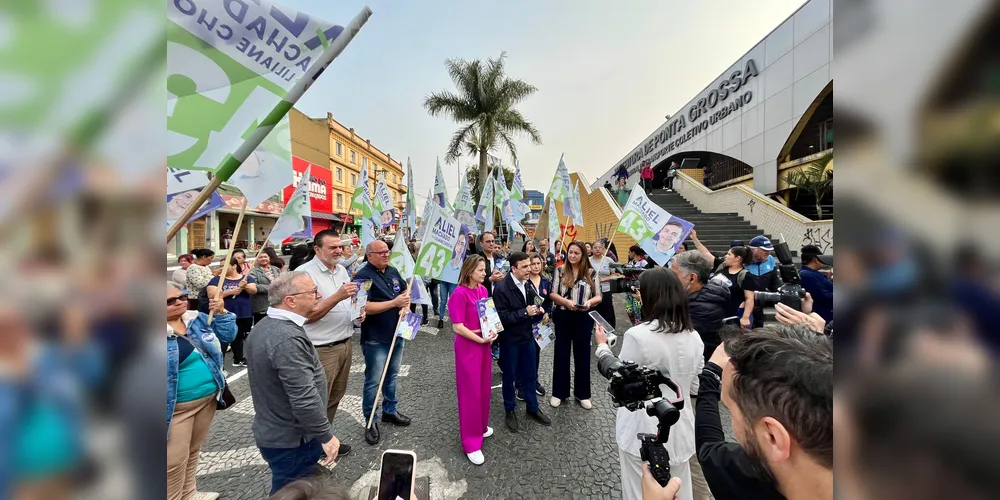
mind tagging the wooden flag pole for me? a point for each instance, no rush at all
(229, 256)
(388, 359)
(189, 212)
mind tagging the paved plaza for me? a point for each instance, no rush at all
(574, 458)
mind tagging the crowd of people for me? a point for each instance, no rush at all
(292, 327)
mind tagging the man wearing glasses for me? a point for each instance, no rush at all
(288, 384)
(388, 297)
(330, 325)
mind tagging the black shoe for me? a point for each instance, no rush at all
(238, 364)
(520, 397)
(540, 417)
(372, 435)
(440, 323)
(512, 421)
(345, 449)
(539, 389)
(396, 419)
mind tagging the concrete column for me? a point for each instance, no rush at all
(182, 241)
(250, 230)
(212, 236)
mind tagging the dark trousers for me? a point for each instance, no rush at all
(573, 330)
(290, 464)
(432, 287)
(413, 309)
(670, 182)
(607, 309)
(243, 326)
(758, 318)
(519, 367)
(538, 361)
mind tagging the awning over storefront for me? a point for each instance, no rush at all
(321, 215)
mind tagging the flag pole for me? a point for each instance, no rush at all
(388, 358)
(229, 256)
(233, 161)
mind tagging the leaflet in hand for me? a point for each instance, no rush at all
(502, 265)
(360, 298)
(543, 333)
(407, 328)
(489, 320)
(579, 293)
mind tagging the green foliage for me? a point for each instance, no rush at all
(812, 179)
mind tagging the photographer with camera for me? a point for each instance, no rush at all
(708, 300)
(764, 269)
(777, 382)
(666, 340)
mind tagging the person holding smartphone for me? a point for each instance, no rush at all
(575, 291)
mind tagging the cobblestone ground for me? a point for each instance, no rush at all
(574, 458)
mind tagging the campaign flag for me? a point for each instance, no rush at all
(362, 200)
(183, 187)
(410, 211)
(484, 211)
(560, 187)
(443, 249)
(500, 193)
(440, 190)
(360, 298)
(408, 328)
(382, 205)
(464, 208)
(489, 319)
(400, 257)
(296, 218)
(517, 193)
(419, 294)
(233, 96)
(656, 231)
(577, 205)
(368, 234)
(554, 232)
(423, 219)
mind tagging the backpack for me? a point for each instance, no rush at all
(203, 300)
(740, 276)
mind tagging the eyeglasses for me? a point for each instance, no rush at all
(489, 241)
(380, 254)
(173, 300)
(314, 291)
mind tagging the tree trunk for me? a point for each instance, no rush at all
(482, 172)
(819, 211)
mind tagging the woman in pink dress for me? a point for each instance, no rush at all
(473, 358)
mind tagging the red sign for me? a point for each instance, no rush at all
(346, 218)
(320, 185)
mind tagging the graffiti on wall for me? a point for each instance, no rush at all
(822, 238)
(605, 230)
(751, 204)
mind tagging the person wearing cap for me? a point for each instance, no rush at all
(764, 269)
(816, 283)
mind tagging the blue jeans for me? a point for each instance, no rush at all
(446, 291)
(290, 464)
(518, 362)
(375, 355)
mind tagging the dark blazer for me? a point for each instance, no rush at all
(489, 272)
(513, 310)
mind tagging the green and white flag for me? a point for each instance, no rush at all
(400, 257)
(235, 68)
(484, 211)
(367, 232)
(410, 211)
(554, 229)
(440, 190)
(423, 219)
(517, 193)
(296, 218)
(444, 246)
(572, 207)
(361, 200)
(653, 228)
(560, 182)
(382, 205)
(463, 206)
(500, 193)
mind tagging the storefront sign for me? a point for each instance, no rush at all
(349, 219)
(236, 203)
(321, 179)
(710, 109)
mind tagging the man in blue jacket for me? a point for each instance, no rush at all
(816, 283)
(764, 269)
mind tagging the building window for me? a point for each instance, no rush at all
(394, 179)
(354, 180)
(354, 157)
(340, 150)
(364, 162)
(340, 201)
(340, 174)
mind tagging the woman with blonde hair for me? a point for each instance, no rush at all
(575, 291)
(473, 370)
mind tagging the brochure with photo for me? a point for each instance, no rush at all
(489, 320)
(360, 298)
(407, 328)
(543, 334)
(579, 292)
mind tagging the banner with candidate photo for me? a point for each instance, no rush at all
(296, 218)
(183, 186)
(464, 207)
(656, 231)
(384, 212)
(445, 242)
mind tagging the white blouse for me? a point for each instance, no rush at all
(682, 355)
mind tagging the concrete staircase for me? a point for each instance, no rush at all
(715, 230)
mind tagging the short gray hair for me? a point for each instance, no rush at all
(283, 286)
(175, 284)
(693, 262)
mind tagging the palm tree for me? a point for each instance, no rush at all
(484, 106)
(813, 179)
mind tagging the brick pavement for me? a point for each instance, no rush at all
(574, 458)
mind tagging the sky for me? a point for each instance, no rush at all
(606, 74)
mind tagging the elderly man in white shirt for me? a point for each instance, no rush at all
(330, 326)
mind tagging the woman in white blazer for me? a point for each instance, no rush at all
(665, 339)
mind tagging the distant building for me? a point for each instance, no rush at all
(536, 201)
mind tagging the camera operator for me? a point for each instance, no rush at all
(777, 383)
(707, 300)
(817, 283)
(666, 340)
(764, 269)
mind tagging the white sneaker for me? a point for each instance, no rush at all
(555, 402)
(206, 495)
(476, 457)
(489, 432)
(585, 403)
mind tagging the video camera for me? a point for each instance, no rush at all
(791, 292)
(630, 279)
(634, 387)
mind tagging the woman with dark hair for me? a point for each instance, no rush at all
(236, 292)
(243, 267)
(575, 292)
(733, 273)
(529, 247)
(665, 339)
(263, 273)
(276, 261)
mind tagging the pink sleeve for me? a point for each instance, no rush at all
(457, 304)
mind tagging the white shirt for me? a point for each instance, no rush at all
(274, 312)
(683, 355)
(520, 286)
(337, 325)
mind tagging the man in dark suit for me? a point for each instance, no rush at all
(514, 299)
